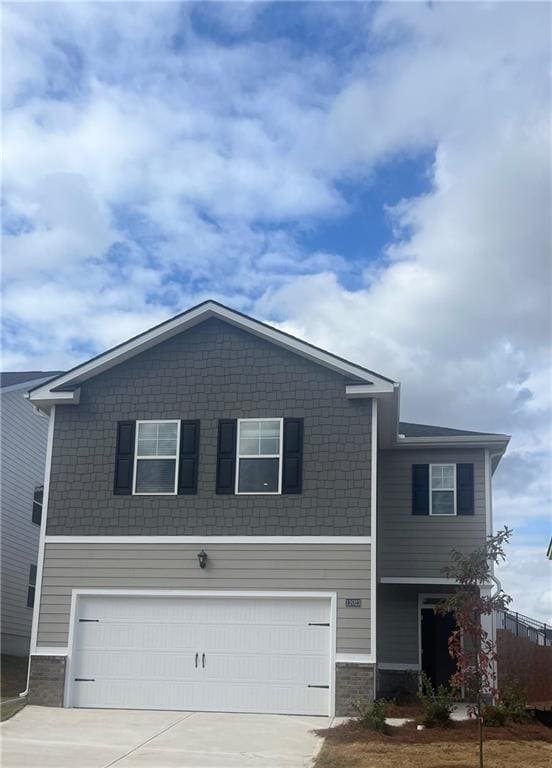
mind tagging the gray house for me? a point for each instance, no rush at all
(236, 520)
(23, 432)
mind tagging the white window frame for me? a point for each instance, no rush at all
(137, 458)
(431, 489)
(259, 456)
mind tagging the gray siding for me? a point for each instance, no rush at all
(418, 546)
(398, 621)
(342, 568)
(210, 372)
(23, 451)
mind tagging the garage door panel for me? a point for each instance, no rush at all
(209, 697)
(253, 654)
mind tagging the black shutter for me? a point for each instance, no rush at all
(464, 489)
(292, 469)
(189, 457)
(124, 462)
(420, 489)
(226, 456)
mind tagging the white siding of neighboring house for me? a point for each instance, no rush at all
(23, 453)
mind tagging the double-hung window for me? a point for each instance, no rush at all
(156, 457)
(37, 505)
(442, 483)
(32, 586)
(259, 465)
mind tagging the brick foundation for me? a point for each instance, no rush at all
(47, 680)
(353, 683)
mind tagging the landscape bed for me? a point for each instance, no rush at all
(352, 746)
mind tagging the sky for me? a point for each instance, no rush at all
(372, 177)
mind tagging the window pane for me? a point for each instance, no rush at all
(249, 446)
(270, 428)
(147, 447)
(448, 476)
(38, 494)
(37, 513)
(442, 503)
(250, 428)
(270, 445)
(30, 597)
(258, 475)
(168, 431)
(167, 447)
(147, 430)
(155, 476)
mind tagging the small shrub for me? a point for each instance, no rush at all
(372, 714)
(514, 701)
(437, 703)
(494, 716)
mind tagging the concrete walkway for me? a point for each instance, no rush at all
(45, 737)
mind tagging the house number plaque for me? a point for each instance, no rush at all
(353, 602)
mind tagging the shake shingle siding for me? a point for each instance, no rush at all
(211, 372)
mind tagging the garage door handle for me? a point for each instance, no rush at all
(197, 657)
(203, 660)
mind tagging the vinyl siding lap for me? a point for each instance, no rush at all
(23, 450)
(344, 569)
(418, 546)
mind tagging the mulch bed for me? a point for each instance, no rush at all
(465, 731)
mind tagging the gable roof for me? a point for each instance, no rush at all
(13, 378)
(64, 388)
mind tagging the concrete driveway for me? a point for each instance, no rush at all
(45, 737)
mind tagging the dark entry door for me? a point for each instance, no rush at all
(436, 660)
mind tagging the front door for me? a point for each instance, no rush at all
(437, 662)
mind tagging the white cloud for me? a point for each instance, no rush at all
(148, 167)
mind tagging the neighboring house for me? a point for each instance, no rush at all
(549, 550)
(235, 520)
(23, 433)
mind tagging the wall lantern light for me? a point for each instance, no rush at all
(202, 557)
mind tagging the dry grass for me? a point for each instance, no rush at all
(498, 754)
(350, 746)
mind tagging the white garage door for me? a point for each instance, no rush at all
(233, 654)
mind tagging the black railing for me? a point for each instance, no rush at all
(522, 626)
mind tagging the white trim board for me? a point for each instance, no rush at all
(202, 593)
(45, 395)
(355, 658)
(208, 540)
(373, 532)
(44, 650)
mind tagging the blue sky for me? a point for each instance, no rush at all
(372, 177)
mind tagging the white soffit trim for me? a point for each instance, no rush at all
(208, 540)
(353, 391)
(453, 440)
(189, 319)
